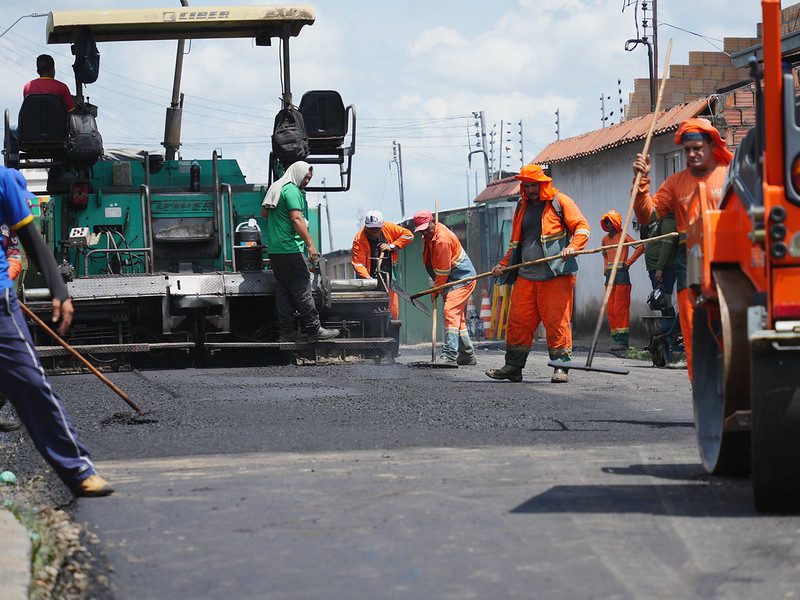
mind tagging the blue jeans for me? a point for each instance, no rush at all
(668, 279)
(24, 382)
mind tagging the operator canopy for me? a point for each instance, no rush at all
(260, 22)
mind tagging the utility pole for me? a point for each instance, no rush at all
(397, 153)
(651, 63)
(621, 105)
(603, 117)
(480, 146)
(558, 124)
(655, 38)
(491, 149)
(327, 214)
(502, 152)
(521, 146)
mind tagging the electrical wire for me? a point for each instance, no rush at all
(700, 35)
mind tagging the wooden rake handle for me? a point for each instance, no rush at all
(76, 355)
(539, 261)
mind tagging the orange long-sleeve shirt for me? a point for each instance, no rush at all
(675, 194)
(608, 255)
(392, 233)
(444, 254)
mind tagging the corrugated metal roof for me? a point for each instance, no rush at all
(498, 189)
(621, 133)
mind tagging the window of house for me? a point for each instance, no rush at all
(673, 162)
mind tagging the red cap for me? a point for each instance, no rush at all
(421, 219)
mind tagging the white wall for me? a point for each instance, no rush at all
(598, 183)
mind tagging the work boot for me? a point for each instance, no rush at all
(506, 372)
(7, 425)
(466, 359)
(559, 376)
(448, 360)
(288, 336)
(93, 486)
(323, 334)
(516, 357)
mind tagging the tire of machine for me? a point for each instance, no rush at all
(775, 398)
(721, 374)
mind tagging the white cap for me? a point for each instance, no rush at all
(374, 218)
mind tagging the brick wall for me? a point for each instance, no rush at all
(706, 72)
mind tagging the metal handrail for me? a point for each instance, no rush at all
(216, 199)
(231, 233)
(147, 222)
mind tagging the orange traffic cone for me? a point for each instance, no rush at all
(486, 315)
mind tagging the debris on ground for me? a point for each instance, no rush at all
(62, 565)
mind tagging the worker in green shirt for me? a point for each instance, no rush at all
(659, 258)
(288, 239)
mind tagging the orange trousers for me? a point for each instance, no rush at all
(548, 302)
(456, 335)
(686, 315)
(619, 311)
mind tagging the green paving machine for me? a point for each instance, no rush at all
(166, 255)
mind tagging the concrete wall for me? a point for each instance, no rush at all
(598, 183)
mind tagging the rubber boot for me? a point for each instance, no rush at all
(466, 356)
(621, 341)
(516, 356)
(560, 374)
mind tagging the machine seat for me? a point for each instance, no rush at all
(42, 124)
(325, 118)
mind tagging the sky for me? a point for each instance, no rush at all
(415, 72)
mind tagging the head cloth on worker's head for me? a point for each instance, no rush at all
(294, 174)
(614, 217)
(534, 173)
(703, 127)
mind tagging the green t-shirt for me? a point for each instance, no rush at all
(661, 254)
(281, 236)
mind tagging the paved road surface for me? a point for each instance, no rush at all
(364, 481)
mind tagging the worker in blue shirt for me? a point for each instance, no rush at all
(22, 378)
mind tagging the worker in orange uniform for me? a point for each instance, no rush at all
(373, 240)
(546, 223)
(619, 302)
(707, 161)
(445, 260)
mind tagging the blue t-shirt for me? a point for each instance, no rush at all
(14, 212)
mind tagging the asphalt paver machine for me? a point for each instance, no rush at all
(148, 241)
(744, 266)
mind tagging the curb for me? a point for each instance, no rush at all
(15, 558)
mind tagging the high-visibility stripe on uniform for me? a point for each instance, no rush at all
(22, 223)
(556, 236)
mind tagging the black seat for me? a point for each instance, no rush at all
(325, 118)
(42, 124)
